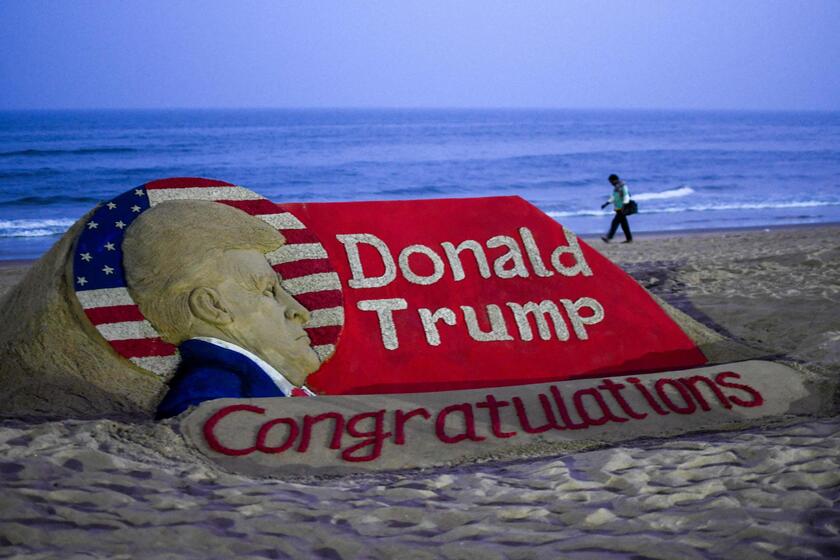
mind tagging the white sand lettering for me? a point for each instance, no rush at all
(430, 319)
(579, 322)
(580, 314)
(453, 253)
(351, 247)
(513, 256)
(498, 328)
(573, 249)
(384, 309)
(533, 252)
(567, 260)
(538, 311)
(410, 275)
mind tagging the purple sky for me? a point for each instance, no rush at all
(710, 54)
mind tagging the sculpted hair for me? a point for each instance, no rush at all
(179, 245)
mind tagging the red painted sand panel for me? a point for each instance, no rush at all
(635, 335)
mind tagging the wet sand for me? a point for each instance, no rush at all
(114, 489)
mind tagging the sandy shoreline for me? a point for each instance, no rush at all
(111, 489)
(716, 231)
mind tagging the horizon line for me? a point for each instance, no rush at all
(420, 108)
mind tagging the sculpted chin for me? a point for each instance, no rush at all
(198, 271)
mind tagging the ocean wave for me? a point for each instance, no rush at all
(702, 208)
(747, 206)
(77, 151)
(46, 200)
(578, 213)
(33, 228)
(673, 193)
(28, 173)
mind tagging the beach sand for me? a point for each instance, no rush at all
(114, 489)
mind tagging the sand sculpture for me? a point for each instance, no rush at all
(103, 312)
(337, 435)
(495, 333)
(198, 272)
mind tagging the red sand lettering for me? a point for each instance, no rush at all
(374, 438)
(457, 423)
(492, 405)
(607, 415)
(400, 419)
(210, 425)
(291, 435)
(648, 397)
(469, 424)
(310, 421)
(522, 416)
(564, 413)
(615, 390)
(691, 384)
(757, 400)
(688, 408)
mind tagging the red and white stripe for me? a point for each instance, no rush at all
(118, 319)
(308, 276)
(302, 264)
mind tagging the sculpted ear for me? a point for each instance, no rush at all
(206, 304)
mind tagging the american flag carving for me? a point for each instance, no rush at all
(99, 278)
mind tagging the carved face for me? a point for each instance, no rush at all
(264, 318)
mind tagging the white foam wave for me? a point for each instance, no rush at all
(703, 208)
(33, 228)
(747, 206)
(566, 214)
(673, 193)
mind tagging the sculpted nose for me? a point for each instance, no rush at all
(294, 311)
(297, 312)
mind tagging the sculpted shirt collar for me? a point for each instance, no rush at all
(278, 378)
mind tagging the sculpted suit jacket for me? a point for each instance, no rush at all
(210, 370)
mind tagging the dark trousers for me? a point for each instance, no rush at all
(621, 219)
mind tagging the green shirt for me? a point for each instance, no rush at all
(620, 197)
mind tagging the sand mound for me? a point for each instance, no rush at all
(53, 361)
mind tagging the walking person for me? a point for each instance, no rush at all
(620, 200)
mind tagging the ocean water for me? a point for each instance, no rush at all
(687, 170)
